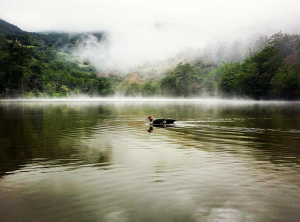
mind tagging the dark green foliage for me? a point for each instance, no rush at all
(268, 60)
(264, 75)
(286, 83)
(285, 43)
(64, 41)
(181, 81)
(150, 88)
(50, 88)
(185, 80)
(229, 81)
(253, 77)
(63, 90)
(14, 60)
(132, 90)
(42, 71)
(7, 28)
(208, 77)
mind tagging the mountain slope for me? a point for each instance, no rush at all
(7, 28)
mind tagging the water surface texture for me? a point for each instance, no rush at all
(100, 161)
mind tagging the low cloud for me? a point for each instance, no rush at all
(140, 32)
(137, 46)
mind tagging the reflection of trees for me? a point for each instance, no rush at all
(59, 131)
(47, 132)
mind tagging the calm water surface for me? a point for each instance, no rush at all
(100, 161)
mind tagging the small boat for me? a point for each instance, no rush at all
(163, 121)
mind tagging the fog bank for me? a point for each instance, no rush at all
(161, 100)
(144, 33)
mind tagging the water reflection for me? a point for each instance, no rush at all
(151, 128)
(95, 162)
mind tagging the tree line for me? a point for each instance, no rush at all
(32, 66)
(29, 69)
(270, 71)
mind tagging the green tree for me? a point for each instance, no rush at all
(105, 86)
(50, 88)
(181, 81)
(24, 59)
(63, 90)
(133, 89)
(210, 83)
(229, 82)
(150, 88)
(14, 67)
(285, 43)
(285, 84)
(253, 77)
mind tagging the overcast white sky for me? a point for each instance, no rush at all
(152, 28)
(208, 15)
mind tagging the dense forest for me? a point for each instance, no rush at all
(31, 65)
(37, 65)
(270, 70)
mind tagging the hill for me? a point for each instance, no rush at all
(38, 64)
(7, 28)
(61, 41)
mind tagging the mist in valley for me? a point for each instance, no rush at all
(141, 34)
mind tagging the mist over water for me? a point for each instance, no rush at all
(140, 99)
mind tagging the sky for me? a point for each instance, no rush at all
(142, 30)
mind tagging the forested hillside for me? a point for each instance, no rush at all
(273, 73)
(270, 71)
(7, 28)
(35, 65)
(30, 65)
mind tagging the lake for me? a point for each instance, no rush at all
(101, 161)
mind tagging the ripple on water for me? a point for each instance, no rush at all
(217, 163)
